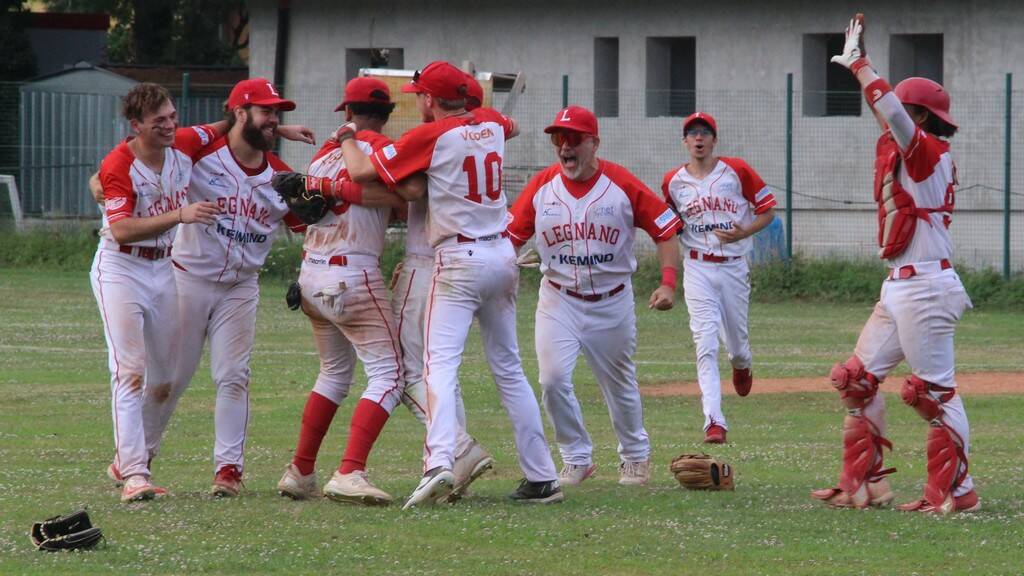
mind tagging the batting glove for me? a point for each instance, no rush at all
(854, 56)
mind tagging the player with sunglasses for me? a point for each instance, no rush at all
(723, 203)
(584, 212)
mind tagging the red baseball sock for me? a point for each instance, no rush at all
(316, 419)
(367, 421)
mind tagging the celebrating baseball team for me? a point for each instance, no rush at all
(190, 215)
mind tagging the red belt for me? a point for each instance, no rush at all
(466, 239)
(147, 252)
(694, 255)
(340, 260)
(589, 297)
(908, 271)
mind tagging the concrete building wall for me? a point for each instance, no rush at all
(744, 50)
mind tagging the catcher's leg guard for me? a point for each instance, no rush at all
(947, 460)
(862, 480)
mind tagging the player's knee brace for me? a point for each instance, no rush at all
(855, 384)
(916, 393)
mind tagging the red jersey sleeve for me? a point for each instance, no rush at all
(193, 139)
(650, 213)
(115, 177)
(752, 186)
(524, 213)
(492, 115)
(324, 150)
(410, 154)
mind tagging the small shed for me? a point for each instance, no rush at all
(69, 120)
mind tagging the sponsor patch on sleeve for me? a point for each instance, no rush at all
(389, 151)
(115, 204)
(665, 219)
(204, 136)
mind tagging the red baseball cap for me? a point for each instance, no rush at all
(258, 91)
(365, 90)
(439, 79)
(701, 117)
(575, 118)
(474, 93)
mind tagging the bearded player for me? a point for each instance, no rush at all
(585, 212)
(475, 271)
(723, 203)
(921, 301)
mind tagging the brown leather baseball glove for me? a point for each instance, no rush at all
(702, 472)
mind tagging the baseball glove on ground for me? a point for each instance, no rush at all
(302, 194)
(702, 472)
(71, 532)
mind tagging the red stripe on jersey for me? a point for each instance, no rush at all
(115, 176)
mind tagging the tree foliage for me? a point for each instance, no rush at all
(203, 32)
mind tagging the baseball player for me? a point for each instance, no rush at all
(474, 263)
(584, 211)
(146, 178)
(723, 202)
(411, 286)
(216, 266)
(920, 304)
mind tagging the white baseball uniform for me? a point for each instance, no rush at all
(923, 298)
(341, 263)
(475, 274)
(134, 287)
(409, 306)
(216, 270)
(716, 276)
(585, 236)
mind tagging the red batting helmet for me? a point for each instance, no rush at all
(927, 94)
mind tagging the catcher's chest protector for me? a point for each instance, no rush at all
(897, 212)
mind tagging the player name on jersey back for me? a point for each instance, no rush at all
(235, 246)
(586, 231)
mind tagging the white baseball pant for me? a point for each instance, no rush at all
(224, 314)
(605, 331)
(138, 303)
(409, 306)
(717, 300)
(479, 279)
(915, 319)
(355, 322)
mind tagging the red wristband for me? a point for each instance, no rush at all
(668, 276)
(858, 64)
(873, 92)
(351, 192)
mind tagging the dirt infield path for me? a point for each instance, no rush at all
(980, 383)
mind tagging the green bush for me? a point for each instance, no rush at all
(68, 249)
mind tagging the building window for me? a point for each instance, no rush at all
(356, 58)
(915, 55)
(829, 89)
(671, 76)
(606, 77)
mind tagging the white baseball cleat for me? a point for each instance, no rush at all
(575, 474)
(468, 467)
(434, 487)
(136, 488)
(635, 473)
(355, 488)
(296, 485)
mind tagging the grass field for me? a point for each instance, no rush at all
(55, 441)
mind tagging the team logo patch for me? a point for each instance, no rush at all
(665, 219)
(204, 137)
(554, 211)
(115, 204)
(389, 151)
(605, 211)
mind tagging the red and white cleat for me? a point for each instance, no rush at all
(715, 434)
(227, 482)
(137, 488)
(967, 503)
(742, 380)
